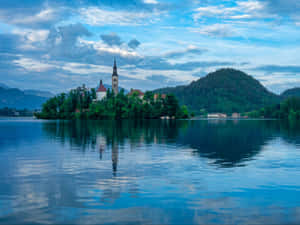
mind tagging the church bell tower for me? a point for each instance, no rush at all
(115, 78)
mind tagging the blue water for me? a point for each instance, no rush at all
(149, 172)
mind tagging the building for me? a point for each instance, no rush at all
(115, 79)
(163, 96)
(139, 93)
(82, 90)
(216, 116)
(235, 115)
(101, 92)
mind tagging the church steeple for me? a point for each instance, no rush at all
(115, 71)
(115, 80)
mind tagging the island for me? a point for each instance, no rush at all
(106, 103)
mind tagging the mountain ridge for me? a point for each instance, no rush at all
(292, 92)
(18, 99)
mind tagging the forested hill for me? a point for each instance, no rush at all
(294, 92)
(226, 90)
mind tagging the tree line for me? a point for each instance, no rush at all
(287, 109)
(81, 104)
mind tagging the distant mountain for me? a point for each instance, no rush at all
(226, 90)
(16, 98)
(46, 94)
(3, 86)
(293, 92)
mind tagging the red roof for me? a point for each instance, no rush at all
(140, 93)
(101, 87)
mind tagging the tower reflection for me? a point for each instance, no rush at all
(227, 143)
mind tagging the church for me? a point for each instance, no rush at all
(101, 90)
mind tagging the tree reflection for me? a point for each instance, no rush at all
(227, 143)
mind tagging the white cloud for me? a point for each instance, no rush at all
(242, 10)
(32, 35)
(41, 17)
(150, 1)
(101, 47)
(99, 17)
(80, 68)
(216, 30)
(33, 65)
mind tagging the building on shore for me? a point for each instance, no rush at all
(235, 115)
(216, 116)
(101, 91)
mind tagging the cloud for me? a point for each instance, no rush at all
(41, 41)
(133, 44)
(241, 10)
(279, 69)
(150, 1)
(216, 30)
(191, 50)
(111, 39)
(33, 65)
(160, 63)
(44, 13)
(282, 7)
(63, 41)
(160, 78)
(251, 9)
(99, 17)
(32, 35)
(34, 17)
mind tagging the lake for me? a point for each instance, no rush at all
(149, 172)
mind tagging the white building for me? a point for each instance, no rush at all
(216, 116)
(101, 92)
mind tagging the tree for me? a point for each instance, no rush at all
(171, 105)
(79, 104)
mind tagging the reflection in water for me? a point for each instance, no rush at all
(110, 135)
(114, 157)
(228, 143)
(149, 172)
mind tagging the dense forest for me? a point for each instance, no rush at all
(80, 103)
(287, 109)
(226, 90)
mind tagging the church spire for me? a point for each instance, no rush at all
(115, 71)
(115, 79)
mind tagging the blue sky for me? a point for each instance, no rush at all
(58, 45)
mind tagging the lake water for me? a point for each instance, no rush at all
(149, 172)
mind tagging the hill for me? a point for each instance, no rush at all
(226, 90)
(15, 98)
(3, 86)
(293, 92)
(46, 94)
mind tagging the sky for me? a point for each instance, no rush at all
(58, 45)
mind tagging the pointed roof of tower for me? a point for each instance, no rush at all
(115, 71)
(101, 87)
